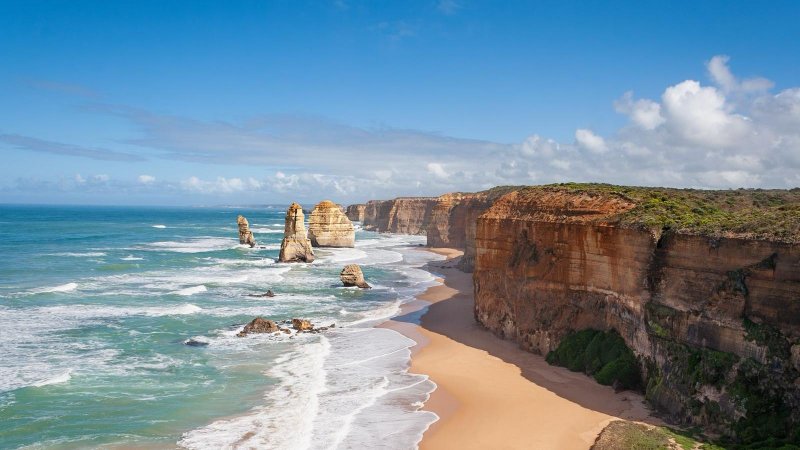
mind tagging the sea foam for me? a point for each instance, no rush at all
(58, 379)
(192, 290)
(68, 287)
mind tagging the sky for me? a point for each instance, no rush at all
(265, 102)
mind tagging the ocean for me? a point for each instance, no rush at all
(97, 305)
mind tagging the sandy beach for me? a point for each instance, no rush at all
(491, 394)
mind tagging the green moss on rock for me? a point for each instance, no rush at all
(601, 354)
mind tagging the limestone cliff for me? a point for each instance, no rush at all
(405, 215)
(245, 235)
(453, 220)
(329, 227)
(704, 287)
(356, 212)
(295, 247)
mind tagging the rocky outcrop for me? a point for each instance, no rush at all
(245, 235)
(259, 325)
(713, 318)
(302, 325)
(356, 212)
(295, 247)
(453, 220)
(269, 293)
(404, 215)
(329, 227)
(352, 275)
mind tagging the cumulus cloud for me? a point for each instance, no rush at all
(146, 179)
(644, 113)
(590, 141)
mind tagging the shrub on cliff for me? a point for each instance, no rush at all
(601, 354)
(772, 214)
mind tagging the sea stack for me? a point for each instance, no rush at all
(245, 235)
(329, 227)
(295, 246)
(353, 276)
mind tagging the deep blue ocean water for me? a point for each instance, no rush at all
(96, 304)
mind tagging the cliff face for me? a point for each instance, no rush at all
(329, 227)
(405, 215)
(714, 321)
(356, 212)
(295, 246)
(454, 217)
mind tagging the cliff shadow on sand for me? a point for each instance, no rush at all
(453, 317)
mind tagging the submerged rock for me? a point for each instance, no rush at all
(269, 293)
(353, 276)
(259, 325)
(192, 342)
(295, 247)
(245, 235)
(329, 227)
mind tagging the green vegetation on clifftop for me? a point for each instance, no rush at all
(748, 213)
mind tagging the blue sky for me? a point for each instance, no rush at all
(258, 102)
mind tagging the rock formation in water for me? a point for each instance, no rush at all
(352, 275)
(269, 293)
(295, 247)
(302, 325)
(259, 325)
(245, 235)
(329, 227)
(703, 286)
(405, 215)
(356, 212)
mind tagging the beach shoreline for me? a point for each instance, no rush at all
(492, 394)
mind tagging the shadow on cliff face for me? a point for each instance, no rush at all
(453, 317)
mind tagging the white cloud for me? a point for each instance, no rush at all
(701, 116)
(146, 179)
(221, 185)
(721, 75)
(438, 171)
(535, 145)
(726, 178)
(590, 141)
(644, 113)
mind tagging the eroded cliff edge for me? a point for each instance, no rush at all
(405, 215)
(703, 286)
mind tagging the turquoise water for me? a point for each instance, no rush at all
(96, 304)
